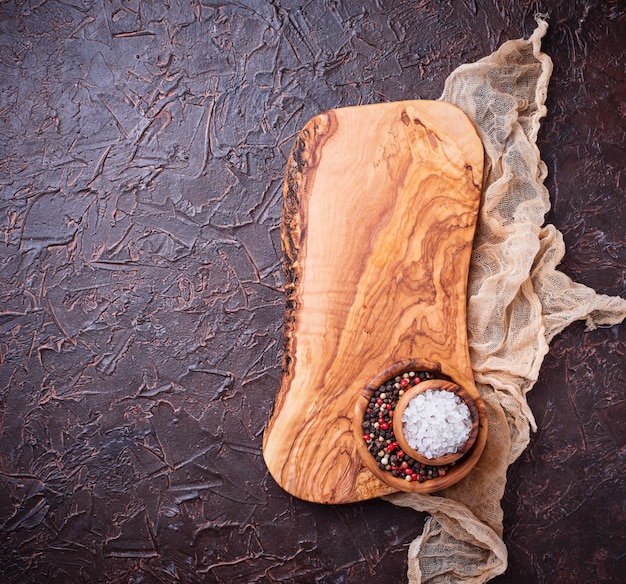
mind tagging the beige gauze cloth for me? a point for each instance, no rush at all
(517, 302)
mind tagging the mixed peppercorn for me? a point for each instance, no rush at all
(379, 435)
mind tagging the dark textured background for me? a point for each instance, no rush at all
(142, 147)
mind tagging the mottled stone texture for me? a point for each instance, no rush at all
(142, 152)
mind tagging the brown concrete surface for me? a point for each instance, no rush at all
(142, 152)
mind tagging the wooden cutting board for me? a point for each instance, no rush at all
(379, 212)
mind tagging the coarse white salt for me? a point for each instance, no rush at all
(436, 423)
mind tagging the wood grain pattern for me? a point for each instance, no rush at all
(379, 213)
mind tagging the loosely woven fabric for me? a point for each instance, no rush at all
(517, 302)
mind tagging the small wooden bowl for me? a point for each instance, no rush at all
(441, 385)
(455, 472)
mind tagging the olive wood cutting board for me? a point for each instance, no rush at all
(379, 212)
